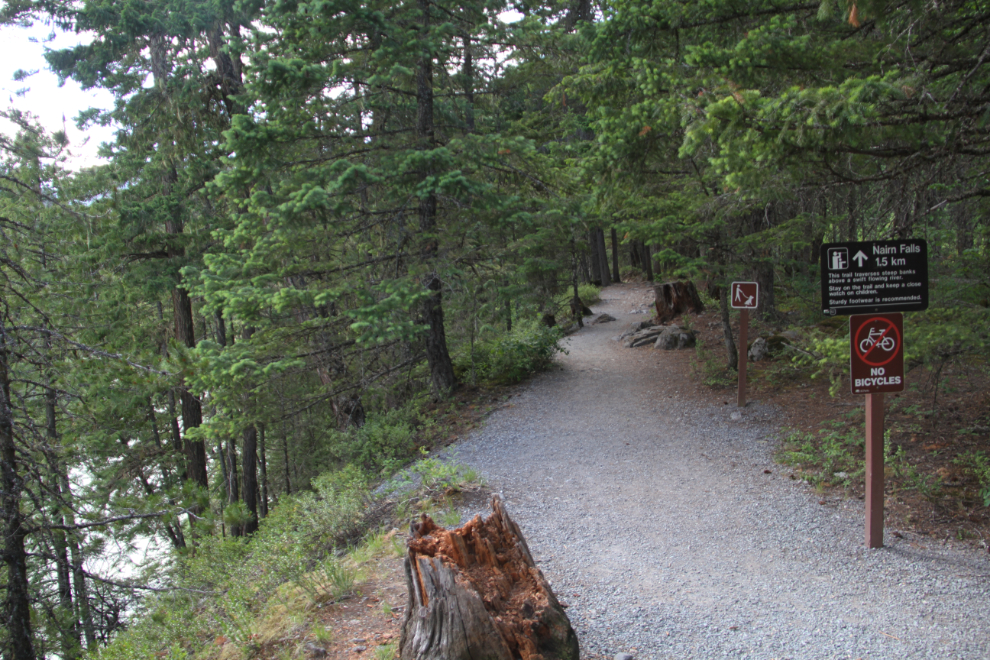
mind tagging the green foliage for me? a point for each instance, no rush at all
(833, 455)
(825, 354)
(511, 357)
(709, 365)
(385, 442)
(977, 463)
(294, 545)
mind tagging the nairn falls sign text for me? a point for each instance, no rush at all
(874, 277)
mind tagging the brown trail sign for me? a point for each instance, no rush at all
(475, 592)
(876, 353)
(743, 296)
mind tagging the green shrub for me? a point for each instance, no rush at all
(528, 349)
(383, 444)
(221, 588)
(978, 464)
(826, 354)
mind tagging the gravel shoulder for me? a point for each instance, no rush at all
(654, 517)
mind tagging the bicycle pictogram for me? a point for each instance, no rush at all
(877, 341)
(886, 342)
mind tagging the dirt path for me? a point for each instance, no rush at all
(654, 517)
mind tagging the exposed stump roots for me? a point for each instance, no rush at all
(476, 594)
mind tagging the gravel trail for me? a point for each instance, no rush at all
(652, 516)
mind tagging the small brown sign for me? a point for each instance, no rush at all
(876, 353)
(744, 295)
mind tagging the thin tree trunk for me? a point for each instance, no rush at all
(233, 487)
(222, 457)
(249, 472)
(647, 257)
(285, 458)
(615, 256)
(174, 531)
(577, 307)
(17, 604)
(441, 367)
(68, 630)
(263, 503)
(602, 256)
(596, 267)
(730, 343)
(468, 73)
(78, 574)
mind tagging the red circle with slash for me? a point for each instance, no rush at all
(888, 329)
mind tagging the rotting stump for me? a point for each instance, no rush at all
(476, 593)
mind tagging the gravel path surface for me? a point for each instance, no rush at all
(652, 516)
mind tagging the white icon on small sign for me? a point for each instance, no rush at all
(838, 258)
(860, 258)
(745, 295)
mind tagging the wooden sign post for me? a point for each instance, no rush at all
(744, 296)
(872, 281)
(876, 365)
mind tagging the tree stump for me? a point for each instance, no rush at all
(476, 594)
(675, 299)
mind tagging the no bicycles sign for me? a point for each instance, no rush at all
(876, 353)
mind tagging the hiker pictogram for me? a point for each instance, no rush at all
(744, 295)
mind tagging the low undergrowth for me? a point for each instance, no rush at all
(509, 357)
(236, 598)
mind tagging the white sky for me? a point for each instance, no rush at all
(44, 98)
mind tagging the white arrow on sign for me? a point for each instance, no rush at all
(860, 258)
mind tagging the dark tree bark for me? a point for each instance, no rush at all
(17, 604)
(646, 258)
(192, 413)
(249, 457)
(285, 458)
(615, 256)
(441, 368)
(730, 343)
(606, 277)
(467, 71)
(767, 308)
(476, 593)
(263, 467)
(233, 482)
(596, 268)
(71, 642)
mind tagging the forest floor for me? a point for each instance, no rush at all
(668, 527)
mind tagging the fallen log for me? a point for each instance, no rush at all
(475, 593)
(674, 299)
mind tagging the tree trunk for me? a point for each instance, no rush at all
(441, 368)
(615, 256)
(17, 604)
(249, 457)
(767, 308)
(233, 482)
(475, 593)
(263, 500)
(676, 298)
(468, 74)
(602, 257)
(647, 258)
(730, 343)
(68, 629)
(285, 458)
(596, 267)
